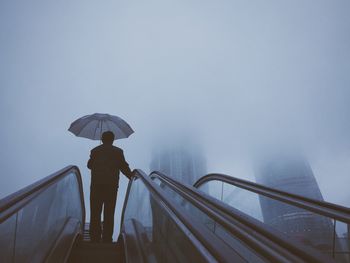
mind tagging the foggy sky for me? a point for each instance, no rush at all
(238, 75)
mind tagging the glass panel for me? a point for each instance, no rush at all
(342, 242)
(42, 219)
(7, 238)
(159, 233)
(214, 189)
(138, 205)
(202, 218)
(303, 226)
(243, 200)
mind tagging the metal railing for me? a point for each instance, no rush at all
(211, 248)
(337, 212)
(271, 245)
(34, 220)
(311, 206)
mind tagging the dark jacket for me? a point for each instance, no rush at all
(105, 163)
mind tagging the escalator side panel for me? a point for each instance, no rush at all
(150, 234)
(32, 221)
(132, 246)
(167, 230)
(65, 241)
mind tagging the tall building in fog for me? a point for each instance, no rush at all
(185, 163)
(294, 175)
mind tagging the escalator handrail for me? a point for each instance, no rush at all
(327, 209)
(255, 235)
(219, 252)
(14, 202)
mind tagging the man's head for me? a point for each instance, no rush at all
(107, 137)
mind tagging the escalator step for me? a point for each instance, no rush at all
(96, 252)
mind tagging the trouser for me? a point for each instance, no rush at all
(102, 196)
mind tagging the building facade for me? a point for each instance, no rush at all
(184, 163)
(294, 175)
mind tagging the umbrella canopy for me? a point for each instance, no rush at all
(92, 126)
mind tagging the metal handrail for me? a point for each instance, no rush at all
(217, 249)
(327, 209)
(264, 240)
(14, 202)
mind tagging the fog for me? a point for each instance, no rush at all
(238, 76)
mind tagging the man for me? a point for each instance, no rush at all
(105, 163)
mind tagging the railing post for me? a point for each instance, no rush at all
(334, 235)
(222, 191)
(14, 240)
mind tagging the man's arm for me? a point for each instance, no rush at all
(124, 166)
(90, 163)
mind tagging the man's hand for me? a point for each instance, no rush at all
(132, 174)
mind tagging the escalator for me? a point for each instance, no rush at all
(314, 224)
(41, 222)
(163, 220)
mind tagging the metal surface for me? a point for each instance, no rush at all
(210, 247)
(33, 220)
(65, 241)
(13, 202)
(337, 212)
(259, 238)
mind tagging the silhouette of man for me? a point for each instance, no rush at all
(105, 163)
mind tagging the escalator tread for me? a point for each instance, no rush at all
(88, 252)
(85, 251)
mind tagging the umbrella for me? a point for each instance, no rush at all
(92, 126)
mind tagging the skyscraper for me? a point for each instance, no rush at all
(293, 174)
(183, 162)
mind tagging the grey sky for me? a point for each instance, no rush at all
(238, 74)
